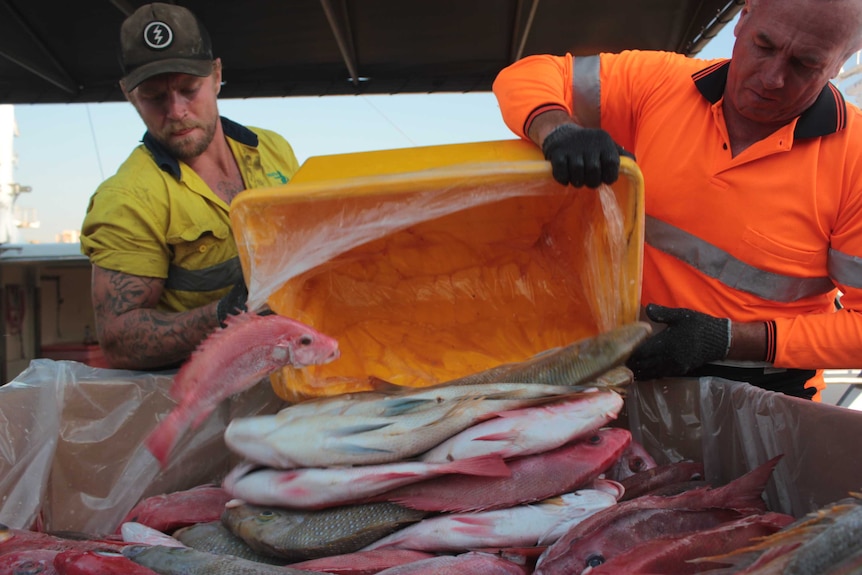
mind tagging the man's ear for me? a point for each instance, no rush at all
(125, 92)
(217, 75)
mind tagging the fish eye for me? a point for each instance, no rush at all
(266, 515)
(30, 568)
(306, 340)
(596, 439)
(595, 560)
(637, 464)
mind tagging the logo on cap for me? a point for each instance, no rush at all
(158, 35)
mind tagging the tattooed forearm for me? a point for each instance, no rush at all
(133, 334)
(147, 339)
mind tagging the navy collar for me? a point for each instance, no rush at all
(827, 115)
(169, 164)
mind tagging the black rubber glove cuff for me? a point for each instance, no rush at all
(233, 303)
(690, 340)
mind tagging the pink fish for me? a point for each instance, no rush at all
(538, 523)
(471, 563)
(28, 562)
(636, 459)
(533, 478)
(318, 488)
(671, 555)
(661, 476)
(231, 360)
(362, 562)
(170, 511)
(532, 429)
(77, 562)
(22, 539)
(612, 531)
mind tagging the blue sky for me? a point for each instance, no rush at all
(65, 151)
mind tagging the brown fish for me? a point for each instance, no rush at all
(573, 364)
(302, 535)
(215, 537)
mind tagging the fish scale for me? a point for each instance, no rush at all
(302, 535)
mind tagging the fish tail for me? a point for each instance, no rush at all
(746, 491)
(490, 465)
(162, 440)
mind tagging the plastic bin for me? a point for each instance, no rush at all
(431, 263)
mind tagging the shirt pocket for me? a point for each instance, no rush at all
(797, 260)
(200, 242)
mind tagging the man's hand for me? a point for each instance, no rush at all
(690, 340)
(582, 156)
(233, 303)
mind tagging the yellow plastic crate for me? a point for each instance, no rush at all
(435, 262)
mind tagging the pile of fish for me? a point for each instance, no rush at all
(515, 470)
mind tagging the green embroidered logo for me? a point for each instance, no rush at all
(278, 176)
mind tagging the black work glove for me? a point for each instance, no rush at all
(690, 340)
(233, 303)
(583, 156)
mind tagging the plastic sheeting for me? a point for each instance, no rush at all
(72, 454)
(428, 264)
(733, 427)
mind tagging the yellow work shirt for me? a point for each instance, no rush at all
(157, 218)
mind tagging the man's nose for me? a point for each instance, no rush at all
(177, 105)
(772, 75)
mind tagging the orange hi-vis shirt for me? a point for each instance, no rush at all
(770, 235)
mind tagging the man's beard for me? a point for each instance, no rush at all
(189, 148)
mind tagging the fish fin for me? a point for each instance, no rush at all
(491, 465)
(384, 386)
(430, 503)
(359, 428)
(507, 436)
(182, 376)
(401, 405)
(476, 525)
(746, 491)
(163, 439)
(354, 449)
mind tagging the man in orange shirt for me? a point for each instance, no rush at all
(753, 188)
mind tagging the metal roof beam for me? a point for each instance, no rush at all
(56, 76)
(711, 30)
(340, 25)
(519, 33)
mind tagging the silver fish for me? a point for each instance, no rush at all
(301, 535)
(539, 523)
(532, 429)
(379, 431)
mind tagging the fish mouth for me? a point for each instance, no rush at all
(241, 470)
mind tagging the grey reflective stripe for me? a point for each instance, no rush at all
(212, 278)
(847, 270)
(586, 92)
(720, 265)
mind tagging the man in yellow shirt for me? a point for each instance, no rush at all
(166, 270)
